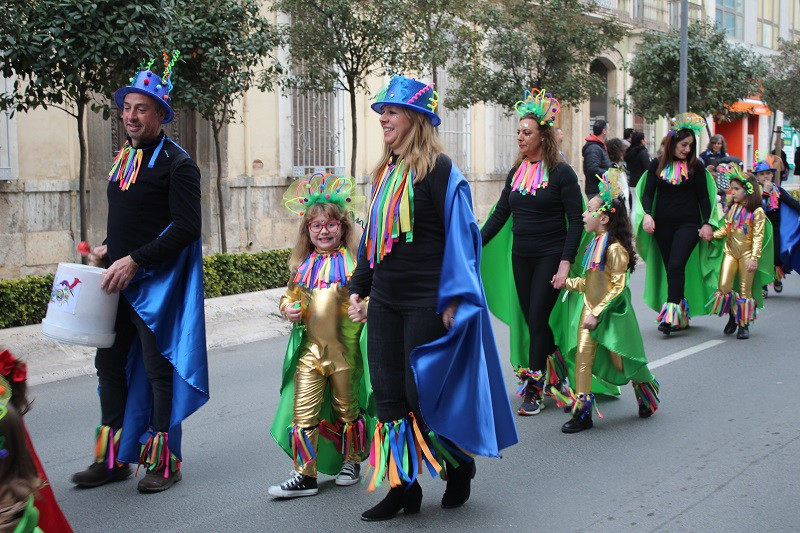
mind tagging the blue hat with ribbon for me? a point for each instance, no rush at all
(760, 165)
(409, 93)
(151, 84)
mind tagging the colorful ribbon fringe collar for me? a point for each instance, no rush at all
(391, 211)
(320, 270)
(529, 177)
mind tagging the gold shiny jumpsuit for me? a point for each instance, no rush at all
(599, 287)
(739, 248)
(329, 353)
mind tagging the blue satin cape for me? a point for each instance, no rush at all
(790, 237)
(169, 298)
(462, 394)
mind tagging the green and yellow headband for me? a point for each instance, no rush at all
(322, 188)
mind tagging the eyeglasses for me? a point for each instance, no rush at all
(331, 225)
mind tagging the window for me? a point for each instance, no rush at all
(455, 127)
(730, 17)
(8, 139)
(794, 21)
(505, 145)
(767, 29)
(318, 121)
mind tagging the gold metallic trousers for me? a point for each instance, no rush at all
(584, 358)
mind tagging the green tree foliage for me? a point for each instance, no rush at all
(720, 73)
(340, 44)
(224, 45)
(545, 44)
(780, 85)
(72, 54)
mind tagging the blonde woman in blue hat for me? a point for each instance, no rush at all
(156, 372)
(433, 363)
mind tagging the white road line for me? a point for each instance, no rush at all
(684, 353)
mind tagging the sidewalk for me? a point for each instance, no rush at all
(230, 321)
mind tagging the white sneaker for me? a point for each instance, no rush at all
(349, 474)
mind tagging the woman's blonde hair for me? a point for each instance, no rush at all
(420, 150)
(550, 154)
(303, 245)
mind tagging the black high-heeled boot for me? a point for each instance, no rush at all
(406, 497)
(458, 484)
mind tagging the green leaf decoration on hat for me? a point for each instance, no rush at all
(688, 121)
(539, 103)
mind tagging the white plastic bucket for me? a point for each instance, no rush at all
(79, 312)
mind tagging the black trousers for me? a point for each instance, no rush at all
(110, 364)
(537, 297)
(393, 332)
(676, 242)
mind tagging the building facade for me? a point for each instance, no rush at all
(282, 135)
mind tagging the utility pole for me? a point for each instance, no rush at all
(684, 65)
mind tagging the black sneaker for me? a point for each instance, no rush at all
(99, 474)
(294, 487)
(765, 291)
(531, 403)
(777, 285)
(743, 333)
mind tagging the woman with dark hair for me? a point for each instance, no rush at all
(717, 149)
(544, 202)
(637, 159)
(433, 363)
(677, 209)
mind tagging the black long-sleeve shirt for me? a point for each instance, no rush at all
(410, 273)
(540, 220)
(168, 193)
(687, 202)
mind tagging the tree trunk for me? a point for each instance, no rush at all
(83, 172)
(354, 136)
(216, 126)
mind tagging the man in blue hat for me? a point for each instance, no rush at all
(156, 372)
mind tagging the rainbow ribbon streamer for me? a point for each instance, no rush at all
(647, 394)
(529, 177)
(391, 211)
(156, 454)
(126, 166)
(107, 445)
(302, 450)
(675, 173)
(737, 217)
(675, 314)
(321, 270)
(721, 303)
(349, 437)
(745, 311)
(772, 199)
(595, 253)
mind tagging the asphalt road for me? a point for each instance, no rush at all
(720, 454)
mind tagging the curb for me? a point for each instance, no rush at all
(230, 321)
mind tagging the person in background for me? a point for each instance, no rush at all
(595, 157)
(637, 159)
(618, 174)
(716, 149)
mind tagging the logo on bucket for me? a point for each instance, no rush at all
(65, 294)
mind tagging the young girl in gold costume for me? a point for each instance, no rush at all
(609, 344)
(744, 232)
(323, 391)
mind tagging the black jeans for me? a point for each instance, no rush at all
(110, 364)
(537, 297)
(393, 332)
(676, 242)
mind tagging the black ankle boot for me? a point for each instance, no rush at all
(730, 327)
(744, 332)
(406, 497)
(576, 424)
(458, 484)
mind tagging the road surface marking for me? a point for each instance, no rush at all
(684, 353)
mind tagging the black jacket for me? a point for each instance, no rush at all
(595, 163)
(638, 160)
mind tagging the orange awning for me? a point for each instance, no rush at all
(752, 107)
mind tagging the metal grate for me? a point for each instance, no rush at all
(455, 130)
(8, 139)
(506, 149)
(318, 127)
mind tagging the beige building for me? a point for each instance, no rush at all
(281, 136)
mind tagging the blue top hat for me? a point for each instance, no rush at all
(762, 166)
(150, 84)
(409, 93)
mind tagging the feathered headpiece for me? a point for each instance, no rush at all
(539, 103)
(607, 193)
(732, 171)
(322, 188)
(687, 121)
